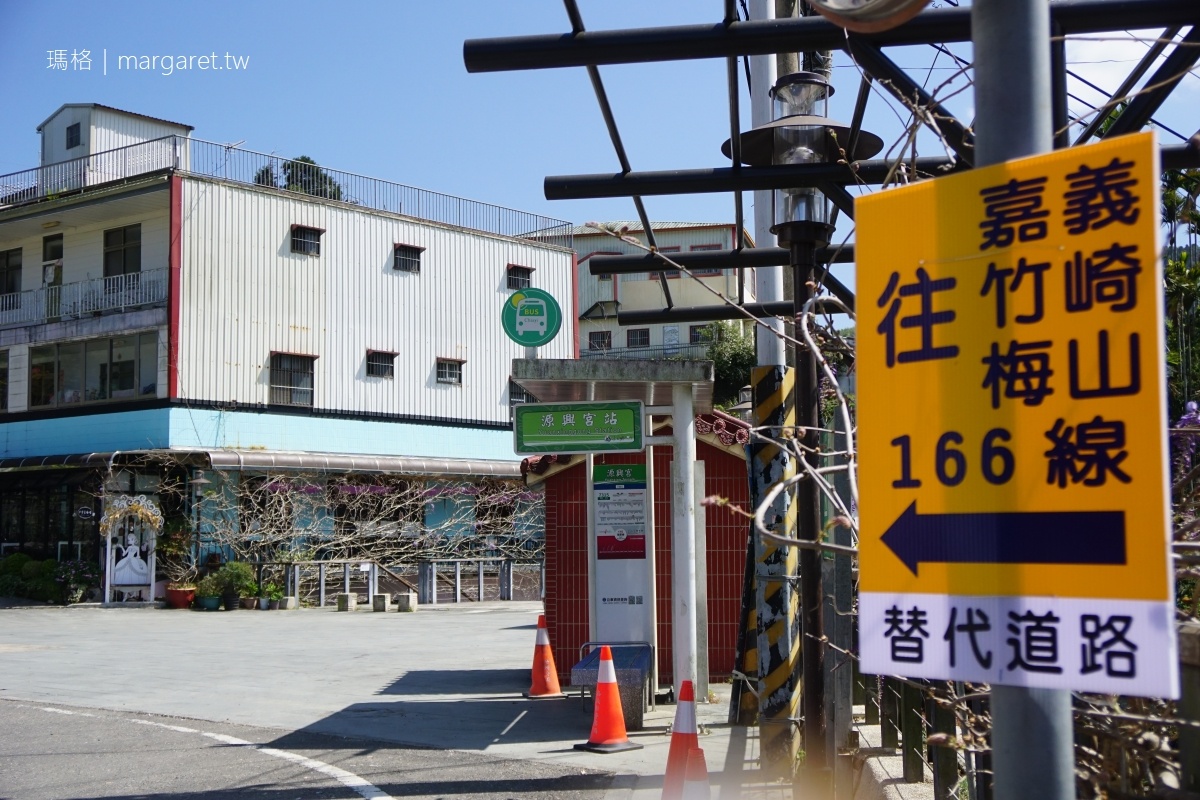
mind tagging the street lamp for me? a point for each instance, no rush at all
(868, 16)
(800, 134)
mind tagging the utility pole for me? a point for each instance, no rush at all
(777, 633)
(1032, 741)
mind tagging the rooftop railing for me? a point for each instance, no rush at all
(198, 157)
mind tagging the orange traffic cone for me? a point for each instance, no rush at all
(696, 786)
(683, 739)
(608, 723)
(545, 674)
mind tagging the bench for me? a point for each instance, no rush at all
(632, 662)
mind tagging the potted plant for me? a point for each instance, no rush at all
(237, 580)
(175, 555)
(208, 593)
(274, 594)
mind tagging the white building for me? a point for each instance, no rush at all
(601, 296)
(162, 295)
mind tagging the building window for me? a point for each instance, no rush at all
(637, 337)
(407, 258)
(292, 379)
(4, 380)
(306, 240)
(122, 251)
(93, 371)
(381, 364)
(10, 279)
(705, 273)
(600, 340)
(519, 277)
(517, 394)
(699, 334)
(670, 273)
(449, 370)
(73, 136)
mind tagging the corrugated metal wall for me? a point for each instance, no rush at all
(566, 558)
(111, 130)
(245, 294)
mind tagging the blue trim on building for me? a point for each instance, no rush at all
(205, 429)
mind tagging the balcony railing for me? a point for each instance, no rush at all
(85, 298)
(209, 159)
(679, 351)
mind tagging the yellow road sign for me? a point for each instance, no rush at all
(1010, 407)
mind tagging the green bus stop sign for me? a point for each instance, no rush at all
(531, 317)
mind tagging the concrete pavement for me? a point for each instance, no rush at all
(446, 677)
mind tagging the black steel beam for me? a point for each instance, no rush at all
(780, 308)
(928, 110)
(747, 179)
(1130, 81)
(727, 179)
(717, 40)
(713, 259)
(1174, 67)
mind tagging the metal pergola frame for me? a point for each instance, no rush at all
(732, 38)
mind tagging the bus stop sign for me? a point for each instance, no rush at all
(531, 317)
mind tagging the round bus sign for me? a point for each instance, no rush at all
(531, 317)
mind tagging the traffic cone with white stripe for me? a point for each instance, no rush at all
(608, 723)
(696, 786)
(684, 738)
(545, 674)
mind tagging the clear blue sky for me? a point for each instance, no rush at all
(378, 87)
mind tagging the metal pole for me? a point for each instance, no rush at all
(768, 281)
(683, 538)
(1031, 728)
(804, 238)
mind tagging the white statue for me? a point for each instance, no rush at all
(131, 570)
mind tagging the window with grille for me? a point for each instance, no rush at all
(670, 273)
(381, 364)
(700, 334)
(449, 371)
(637, 337)
(292, 379)
(122, 251)
(705, 273)
(517, 394)
(73, 136)
(600, 340)
(306, 240)
(519, 277)
(407, 258)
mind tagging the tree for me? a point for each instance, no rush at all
(267, 177)
(302, 174)
(733, 355)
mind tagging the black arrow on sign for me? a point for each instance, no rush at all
(1017, 537)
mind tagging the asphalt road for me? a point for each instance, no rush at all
(50, 752)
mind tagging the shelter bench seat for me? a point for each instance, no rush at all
(632, 662)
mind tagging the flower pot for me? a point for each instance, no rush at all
(249, 603)
(231, 602)
(212, 603)
(273, 605)
(181, 597)
(262, 603)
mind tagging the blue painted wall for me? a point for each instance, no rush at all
(91, 433)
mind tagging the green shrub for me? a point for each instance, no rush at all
(11, 586)
(209, 586)
(13, 564)
(32, 570)
(237, 577)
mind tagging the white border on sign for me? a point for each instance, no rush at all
(1142, 661)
